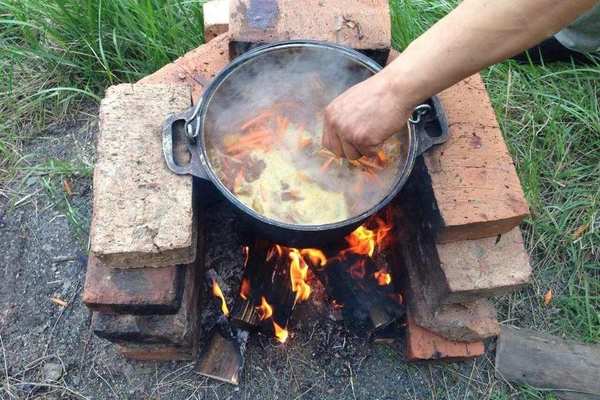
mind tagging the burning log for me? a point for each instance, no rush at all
(272, 284)
(255, 276)
(223, 358)
(358, 278)
(353, 282)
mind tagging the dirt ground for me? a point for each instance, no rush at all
(49, 351)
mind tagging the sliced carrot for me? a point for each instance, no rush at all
(369, 164)
(304, 142)
(326, 164)
(382, 157)
(258, 119)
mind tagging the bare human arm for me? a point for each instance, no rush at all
(478, 33)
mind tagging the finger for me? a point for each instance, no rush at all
(369, 150)
(332, 142)
(350, 152)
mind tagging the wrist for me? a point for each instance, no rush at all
(404, 80)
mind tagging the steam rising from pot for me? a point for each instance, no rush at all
(263, 129)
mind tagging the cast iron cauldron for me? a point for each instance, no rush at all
(274, 70)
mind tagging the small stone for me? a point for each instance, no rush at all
(52, 372)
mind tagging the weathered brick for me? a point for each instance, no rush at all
(475, 185)
(457, 272)
(216, 18)
(156, 352)
(143, 214)
(474, 191)
(196, 68)
(132, 291)
(423, 345)
(484, 267)
(178, 329)
(363, 25)
(469, 321)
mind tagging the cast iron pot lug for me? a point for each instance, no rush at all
(196, 166)
(431, 126)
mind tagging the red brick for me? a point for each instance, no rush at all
(458, 272)
(132, 291)
(423, 345)
(475, 191)
(216, 18)
(361, 24)
(196, 68)
(143, 214)
(484, 267)
(178, 329)
(156, 352)
(469, 321)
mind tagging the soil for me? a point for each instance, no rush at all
(49, 352)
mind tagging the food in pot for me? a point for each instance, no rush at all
(276, 165)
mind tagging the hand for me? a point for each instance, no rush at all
(359, 120)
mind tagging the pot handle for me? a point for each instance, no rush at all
(196, 165)
(431, 125)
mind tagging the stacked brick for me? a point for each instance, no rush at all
(143, 270)
(467, 246)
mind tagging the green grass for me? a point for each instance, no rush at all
(58, 55)
(551, 119)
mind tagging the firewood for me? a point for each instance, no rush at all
(223, 359)
(360, 295)
(545, 361)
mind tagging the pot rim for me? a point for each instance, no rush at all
(200, 111)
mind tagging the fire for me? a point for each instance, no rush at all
(298, 275)
(246, 253)
(382, 236)
(336, 305)
(316, 256)
(362, 241)
(264, 310)
(383, 277)
(281, 334)
(275, 250)
(245, 289)
(216, 290)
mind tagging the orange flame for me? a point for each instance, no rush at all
(275, 250)
(316, 256)
(281, 334)
(264, 310)
(383, 237)
(216, 290)
(245, 289)
(382, 277)
(336, 305)
(362, 241)
(246, 253)
(298, 275)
